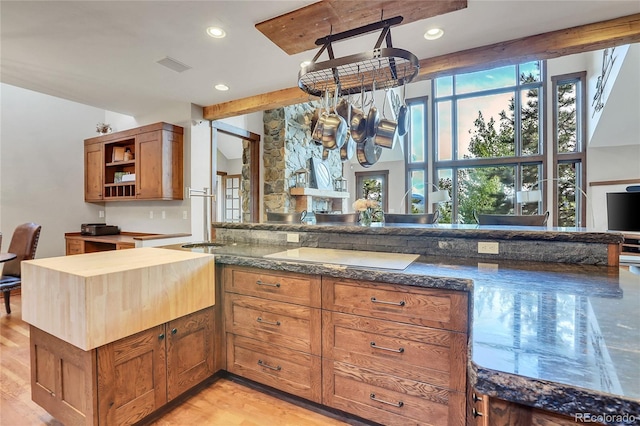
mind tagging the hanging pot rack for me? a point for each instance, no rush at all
(387, 67)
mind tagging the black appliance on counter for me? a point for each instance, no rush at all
(98, 229)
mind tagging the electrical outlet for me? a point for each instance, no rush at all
(164, 214)
(150, 214)
(185, 214)
(293, 238)
(487, 247)
(101, 213)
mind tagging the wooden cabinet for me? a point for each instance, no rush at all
(122, 382)
(395, 354)
(392, 354)
(93, 171)
(153, 154)
(495, 411)
(76, 243)
(272, 325)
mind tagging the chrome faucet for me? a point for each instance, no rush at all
(204, 192)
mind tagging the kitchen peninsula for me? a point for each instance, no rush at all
(546, 328)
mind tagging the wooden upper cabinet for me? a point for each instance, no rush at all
(93, 166)
(153, 153)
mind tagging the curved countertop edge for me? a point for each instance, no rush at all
(556, 397)
(444, 230)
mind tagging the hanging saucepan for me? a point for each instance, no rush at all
(358, 123)
(334, 128)
(349, 147)
(373, 117)
(368, 153)
(385, 135)
(403, 115)
(322, 113)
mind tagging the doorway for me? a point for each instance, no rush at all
(252, 192)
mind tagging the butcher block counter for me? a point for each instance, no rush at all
(93, 299)
(98, 319)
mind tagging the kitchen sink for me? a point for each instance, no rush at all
(198, 245)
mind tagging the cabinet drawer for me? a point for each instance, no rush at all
(282, 286)
(285, 324)
(75, 247)
(434, 356)
(285, 369)
(388, 399)
(414, 305)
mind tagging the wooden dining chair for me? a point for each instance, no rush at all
(511, 220)
(23, 243)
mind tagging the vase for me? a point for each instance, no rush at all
(365, 217)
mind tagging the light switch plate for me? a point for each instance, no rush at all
(293, 238)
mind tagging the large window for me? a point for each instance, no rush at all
(488, 133)
(416, 157)
(569, 159)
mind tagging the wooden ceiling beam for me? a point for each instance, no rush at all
(297, 31)
(584, 38)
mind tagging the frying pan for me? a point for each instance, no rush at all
(348, 148)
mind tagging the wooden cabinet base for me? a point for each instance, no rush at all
(122, 382)
(63, 379)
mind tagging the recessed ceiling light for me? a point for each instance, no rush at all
(216, 32)
(434, 34)
(221, 87)
(304, 64)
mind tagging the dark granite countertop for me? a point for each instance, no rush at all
(540, 233)
(560, 337)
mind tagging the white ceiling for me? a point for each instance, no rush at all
(104, 53)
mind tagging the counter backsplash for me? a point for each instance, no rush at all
(514, 244)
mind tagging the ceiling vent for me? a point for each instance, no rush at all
(173, 64)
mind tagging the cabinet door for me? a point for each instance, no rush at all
(132, 377)
(93, 165)
(149, 171)
(189, 351)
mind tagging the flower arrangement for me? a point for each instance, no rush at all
(366, 208)
(103, 128)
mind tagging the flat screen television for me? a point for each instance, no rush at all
(623, 211)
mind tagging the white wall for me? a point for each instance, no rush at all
(42, 166)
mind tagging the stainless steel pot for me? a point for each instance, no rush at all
(385, 136)
(358, 126)
(295, 217)
(368, 153)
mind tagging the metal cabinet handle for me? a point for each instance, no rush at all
(394, 404)
(374, 346)
(475, 397)
(268, 284)
(174, 330)
(264, 364)
(400, 303)
(476, 413)
(161, 336)
(262, 321)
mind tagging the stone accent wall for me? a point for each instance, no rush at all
(287, 148)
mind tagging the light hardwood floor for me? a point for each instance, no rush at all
(224, 402)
